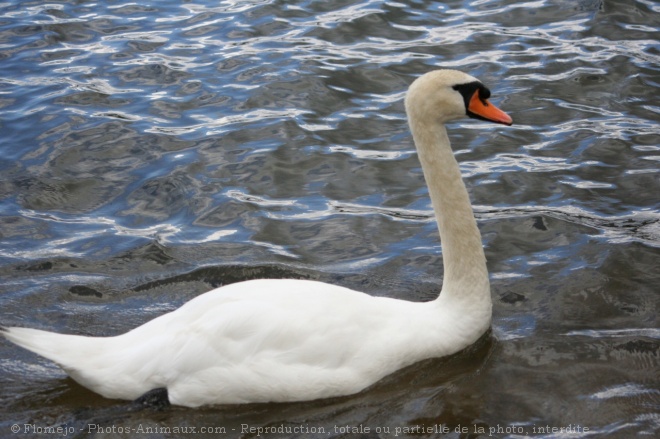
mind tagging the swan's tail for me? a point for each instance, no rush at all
(65, 350)
(94, 362)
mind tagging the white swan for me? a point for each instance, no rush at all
(292, 340)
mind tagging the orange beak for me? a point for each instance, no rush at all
(483, 109)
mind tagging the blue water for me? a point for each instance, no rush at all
(150, 152)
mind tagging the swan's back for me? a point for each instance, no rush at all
(286, 340)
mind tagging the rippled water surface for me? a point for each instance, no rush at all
(150, 151)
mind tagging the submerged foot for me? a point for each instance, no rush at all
(156, 398)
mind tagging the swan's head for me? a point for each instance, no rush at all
(445, 95)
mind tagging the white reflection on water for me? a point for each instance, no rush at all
(624, 332)
(624, 391)
(88, 227)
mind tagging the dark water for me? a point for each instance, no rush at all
(152, 151)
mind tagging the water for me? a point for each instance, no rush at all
(151, 152)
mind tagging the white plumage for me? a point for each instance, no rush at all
(292, 340)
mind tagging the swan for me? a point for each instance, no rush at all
(290, 340)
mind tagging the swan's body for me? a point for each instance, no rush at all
(292, 340)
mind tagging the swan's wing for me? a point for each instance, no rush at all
(272, 340)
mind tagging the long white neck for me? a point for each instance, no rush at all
(465, 273)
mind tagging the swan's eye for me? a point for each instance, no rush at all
(484, 93)
(469, 89)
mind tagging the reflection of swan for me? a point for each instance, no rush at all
(291, 340)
